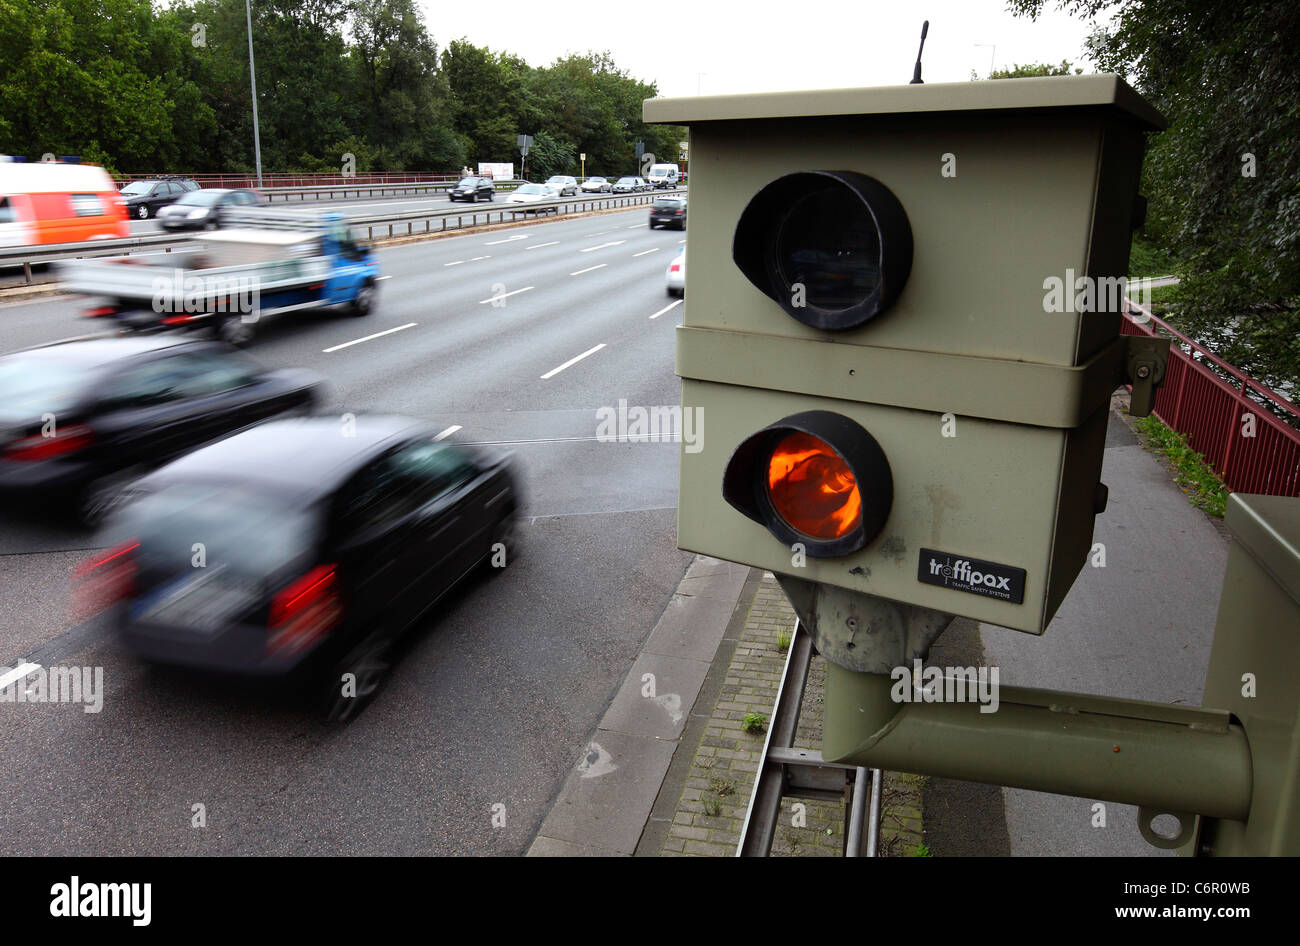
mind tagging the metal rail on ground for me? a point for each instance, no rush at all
(787, 772)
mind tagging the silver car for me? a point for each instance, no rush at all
(564, 185)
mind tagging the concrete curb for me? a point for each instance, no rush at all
(608, 797)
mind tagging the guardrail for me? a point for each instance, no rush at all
(286, 179)
(28, 256)
(1234, 423)
(369, 190)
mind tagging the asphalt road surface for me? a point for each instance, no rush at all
(494, 698)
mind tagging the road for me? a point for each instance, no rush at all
(493, 700)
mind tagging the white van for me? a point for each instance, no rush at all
(664, 175)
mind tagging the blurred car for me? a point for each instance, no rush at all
(146, 197)
(532, 193)
(627, 185)
(473, 189)
(564, 185)
(205, 209)
(80, 419)
(596, 185)
(59, 203)
(664, 175)
(668, 211)
(677, 274)
(320, 549)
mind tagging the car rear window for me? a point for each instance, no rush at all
(671, 203)
(30, 387)
(247, 532)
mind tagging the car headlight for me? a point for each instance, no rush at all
(197, 214)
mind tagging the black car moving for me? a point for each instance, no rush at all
(146, 197)
(472, 189)
(79, 420)
(205, 209)
(668, 211)
(321, 545)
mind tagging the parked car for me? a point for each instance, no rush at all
(80, 419)
(677, 274)
(628, 185)
(669, 211)
(596, 185)
(205, 209)
(59, 203)
(664, 175)
(146, 197)
(564, 185)
(473, 189)
(320, 549)
(532, 194)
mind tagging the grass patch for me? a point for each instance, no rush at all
(722, 787)
(783, 642)
(1147, 259)
(1193, 475)
(755, 723)
(922, 851)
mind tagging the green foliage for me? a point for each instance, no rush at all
(1035, 69)
(783, 642)
(1148, 259)
(754, 723)
(1195, 477)
(1223, 182)
(140, 88)
(922, 850)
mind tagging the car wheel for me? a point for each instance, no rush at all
(143, 212)
(652, 226)
(368, 663)
(233, 330)
(365, 299)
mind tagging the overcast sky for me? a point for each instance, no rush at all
(718, 47)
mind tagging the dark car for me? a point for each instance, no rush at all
(205, 209)
(473, 189)
(79, 420)
(669, 211)
(146, 197)
(320, 547)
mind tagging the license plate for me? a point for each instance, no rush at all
(204, 603)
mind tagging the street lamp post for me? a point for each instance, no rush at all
(252, 75)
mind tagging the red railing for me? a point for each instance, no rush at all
(278, 179)
(1251, 448)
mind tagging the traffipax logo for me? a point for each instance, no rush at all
(972, 575)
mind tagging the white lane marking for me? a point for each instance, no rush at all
(475, 259)
(448, 432)
(603, 245)
(635, 226)
(506, 240)
(382, 278)
(667, 308)
(680, 242)
(644, 252)
(18, 673)
(505, 295)
(587, 270)
(538, 246)
(358, 341)
(571, 362)
(457, 263)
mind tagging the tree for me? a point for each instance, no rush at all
(1223, 182)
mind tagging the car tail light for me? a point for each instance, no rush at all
(103, 580)
(305, 611)
(177, 319)
(676, 267)
(61, 442)
(100, 312)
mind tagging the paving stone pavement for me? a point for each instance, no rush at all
(710, 813)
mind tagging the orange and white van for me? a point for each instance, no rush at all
(58, 203)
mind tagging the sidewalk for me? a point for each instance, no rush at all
(670, 768)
